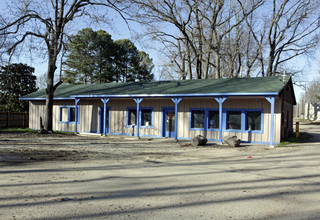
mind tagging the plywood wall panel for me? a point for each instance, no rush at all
(90, 122)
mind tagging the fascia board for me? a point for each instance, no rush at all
(156, 96)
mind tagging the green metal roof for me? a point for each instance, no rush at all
(202, 87)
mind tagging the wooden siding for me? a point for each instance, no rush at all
(286, 120)
(36, 110)
(90, 120)
(118, 116)
(231, 103)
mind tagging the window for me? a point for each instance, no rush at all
(213, 119)
(146, 117)
(234, 120)
(253, 121)
(245, 120)
(204, 119)
(197, 118)
(68, 114)
(132, 116)
(72, 114)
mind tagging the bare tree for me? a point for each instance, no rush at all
(46, 22)
(288, 32)
(196, 29)
(313, 92)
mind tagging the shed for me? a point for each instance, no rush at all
(256, 110)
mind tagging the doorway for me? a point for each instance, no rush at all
(168, 123)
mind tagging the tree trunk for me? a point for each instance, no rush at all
(217, 69)
(206, 73)
(50, 90)
(199, 67)
(189, 62)
(271, 61)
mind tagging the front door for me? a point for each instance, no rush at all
(168, 123)
(103, 122)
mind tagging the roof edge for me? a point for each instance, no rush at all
(157, 96)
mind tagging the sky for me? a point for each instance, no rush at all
(120, 30)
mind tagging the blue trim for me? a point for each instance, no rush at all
(128, 134)
(206, 119)
(141, 110)
(220, 100)
(138, 101)
(243, 121)
(129, 118)
(69, 114)
(176, 102)
(76, 115)
(140, 114)
(163, 120)
(102, 128)
(105, 127)
(251, 142)
(272, 102)
(157, 96)
(125, 134)
(176, 95)
(43, 99)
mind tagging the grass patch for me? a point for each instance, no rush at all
(303, 138)
(30, 131)
(17, 130)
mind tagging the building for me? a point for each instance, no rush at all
(256, 110)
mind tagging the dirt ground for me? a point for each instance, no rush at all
(63, 176)
(28, 148)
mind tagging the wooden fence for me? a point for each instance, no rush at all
(14, 119)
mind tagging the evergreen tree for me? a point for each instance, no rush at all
(126, 61)
(16, 80)
(145, 67)
(89, 57)
(93, 57)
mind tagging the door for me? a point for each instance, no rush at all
(103, 122)
(168, 122)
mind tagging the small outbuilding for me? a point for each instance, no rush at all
(256, 110)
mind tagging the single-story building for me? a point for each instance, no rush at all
(256, 110)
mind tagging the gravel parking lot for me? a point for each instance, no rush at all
(91, 177)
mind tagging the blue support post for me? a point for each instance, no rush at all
(105, 101)
(272, 102)
(176, 102)
(76, 115)
(220, 100)
(138, 101)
